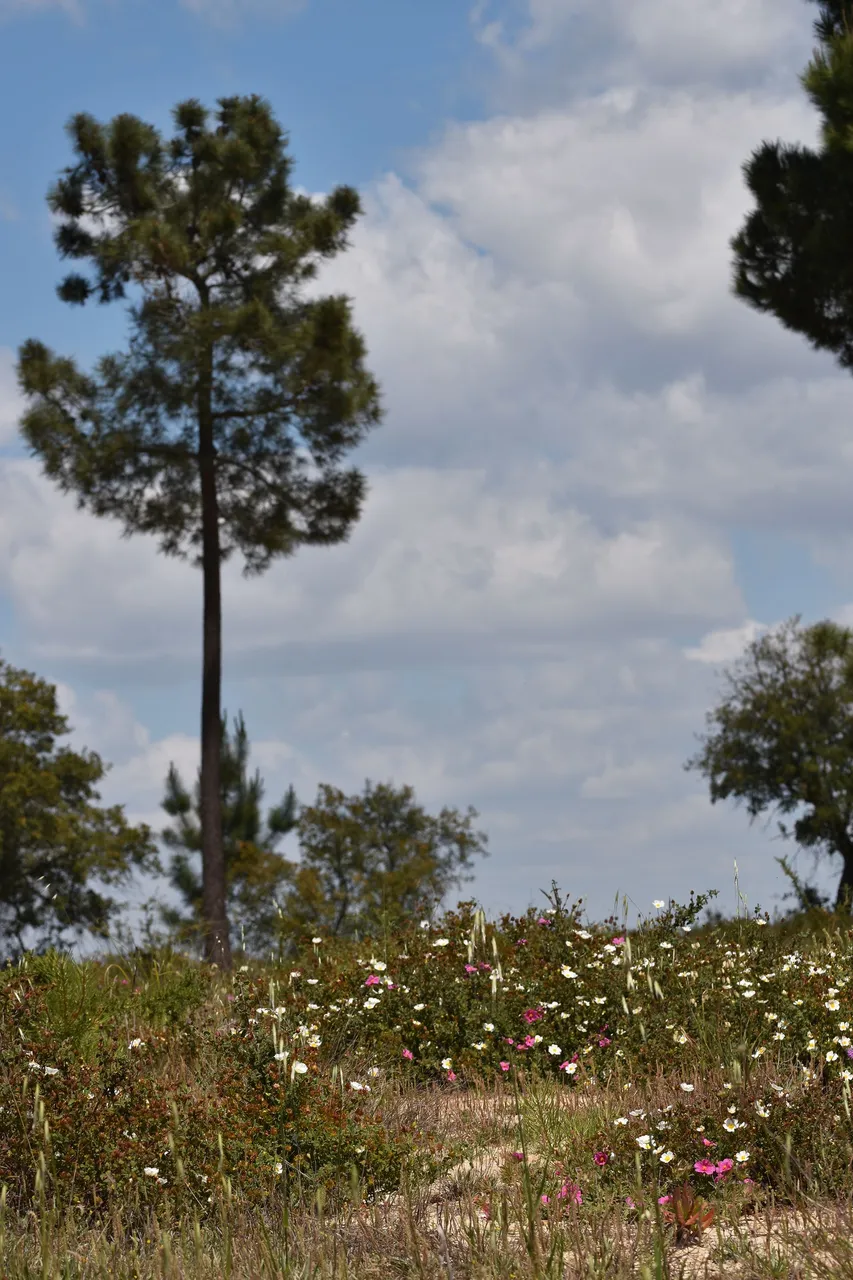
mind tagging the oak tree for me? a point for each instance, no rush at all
(54, 840)
(784, 738)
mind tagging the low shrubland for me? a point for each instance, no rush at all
(524, 1097)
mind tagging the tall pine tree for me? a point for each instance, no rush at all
(221, 426)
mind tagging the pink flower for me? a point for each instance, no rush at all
(708, 1143)
(470, 968)
(705, 1166)
(724, 1166)
(451, 1075)
(545, 1199)
(509, 1040)
(518, 1155)
(601, 1157)
(603, 1042)
(485, 966)
(372, 981)
(630, 1203)
(529, 1042)
(664, 1199)
(569, 1189)
(531, 1015)
(408, 1055)
(504, 1066)
(522, 942)
(617, 942)
(543, 920)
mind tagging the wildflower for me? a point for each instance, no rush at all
(658, 902)
(478, 1044)
(488, 1026)
(600, 1157)
(446, 1064)
(316, 941)
(373, 1071)
(281, 1057)
(150, 1172)
(441, 942)
(645, 1141)
(278, 1167)
(300, 1068)
(314, 1042)
(451, 1075)
(408, 1055)
(569, 1067)
(688, 1088)
(504, 1066)
(418, 1007)
(470, 968)
(54, 1071)
(567, 972)
(741, 1156)
(379, 965)
(832, 1004)
(667, 1157)
(531, 1015)
(617, 942)
(603, 1042)
(569, 1189)
(372, 981)
(705, 1166)
(554, 1050)
(354, 1084)
(136, 1044)
(371, 1003)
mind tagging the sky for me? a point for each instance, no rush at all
(599, 476)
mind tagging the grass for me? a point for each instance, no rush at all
(520, 1098)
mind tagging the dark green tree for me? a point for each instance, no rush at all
(785, 738)
(254, 873)
(222, 424)
(53, 839)
(369, 861)
(791, 258)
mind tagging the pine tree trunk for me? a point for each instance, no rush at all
(844, 897)
(217, 942)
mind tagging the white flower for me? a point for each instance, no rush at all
(645, 1141)
(667, 1157)
(379, 965)
(354, 1084)
(150, 1172)
(554, 1050)
(488, 1026)
(417, 1008)
(570, 1068)
(316, 941)
(742, 1156)
(371, 1003)
(621, 1120)
(688, 1088)
(425, 924)
(832, 1004)
(299, 1068)
(567, 972)
(373, 1071)
(478, 1044)
(314, 1042)
(446, 1064)
(278, 1166)
(658, 902)
(54, 1071)
(441, 942)
(282, 1057)
(136, 1044)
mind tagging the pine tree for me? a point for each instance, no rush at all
(254, 874)
(221, 426)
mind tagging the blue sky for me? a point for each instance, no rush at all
(599, 475)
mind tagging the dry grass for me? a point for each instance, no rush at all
(441, 1230)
